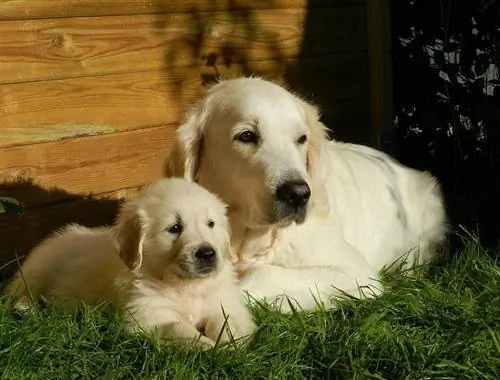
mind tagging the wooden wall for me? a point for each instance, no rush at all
(91, 90)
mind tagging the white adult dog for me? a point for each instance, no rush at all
(310, 218)
(166, 264)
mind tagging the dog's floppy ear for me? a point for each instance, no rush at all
(228, 253)
(317, 144)
(184, 158)
(129, 235)
(318, 133)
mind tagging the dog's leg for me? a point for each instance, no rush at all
(185, 332)
(307, 286)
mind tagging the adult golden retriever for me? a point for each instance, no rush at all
(310, 218)
(166, 264)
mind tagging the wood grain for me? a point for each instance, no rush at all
(87, 165)
(51, 110)
(65, 48)
(33, 9)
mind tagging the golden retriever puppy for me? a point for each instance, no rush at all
(166, 264)
(311, 218)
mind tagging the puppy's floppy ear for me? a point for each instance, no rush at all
(129, 236)
(185, 156)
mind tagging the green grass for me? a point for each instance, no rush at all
(441, 325)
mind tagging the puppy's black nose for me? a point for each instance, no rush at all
(206, 254)
(294, 193)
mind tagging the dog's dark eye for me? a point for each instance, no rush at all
(211, 223)
(302, 139)
(247, 137)
(176, 229)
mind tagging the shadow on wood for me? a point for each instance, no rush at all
(219, 44)
(348, 116)
(304, 47)
(19, 234)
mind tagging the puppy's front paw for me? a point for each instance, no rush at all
(204, 343)
(201, 342)
(243, 330)
(231, 331)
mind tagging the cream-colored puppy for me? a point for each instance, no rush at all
(166, 264)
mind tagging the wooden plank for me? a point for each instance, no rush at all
(86, 165)
(380, 68)
(49, 111)
(65, 48)
(33, 9)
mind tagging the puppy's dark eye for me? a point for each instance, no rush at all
(247, 137)
(302, 139)
(176, 229)
(210, 223)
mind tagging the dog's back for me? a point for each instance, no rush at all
(73, 265)
(400, 209)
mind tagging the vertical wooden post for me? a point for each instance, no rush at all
(380, 72)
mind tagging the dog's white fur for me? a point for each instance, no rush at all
(143, 269)
(365, 212)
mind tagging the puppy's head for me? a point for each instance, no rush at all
(257, 146)
(173, 227)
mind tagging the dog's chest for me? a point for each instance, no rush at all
(189, 303)
(193, 310)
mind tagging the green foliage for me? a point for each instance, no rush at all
(446, 97)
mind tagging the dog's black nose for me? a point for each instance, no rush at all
(206, 254)
(294, 193)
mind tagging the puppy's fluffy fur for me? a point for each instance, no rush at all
(165, 263)
(255, 144)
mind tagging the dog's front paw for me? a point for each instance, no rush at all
(252, 286)
(242, 269)
(283, 303)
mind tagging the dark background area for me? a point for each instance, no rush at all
(446, 56)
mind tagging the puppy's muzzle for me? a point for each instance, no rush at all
(292, 198)
(206, 259)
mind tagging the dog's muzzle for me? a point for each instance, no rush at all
(292, 198)
(206, 259)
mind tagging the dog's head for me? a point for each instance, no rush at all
(173, 227)
(257, 146)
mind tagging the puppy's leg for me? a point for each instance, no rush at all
(309, 285)
(184, 332)
(233, 322)
(21, 293)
